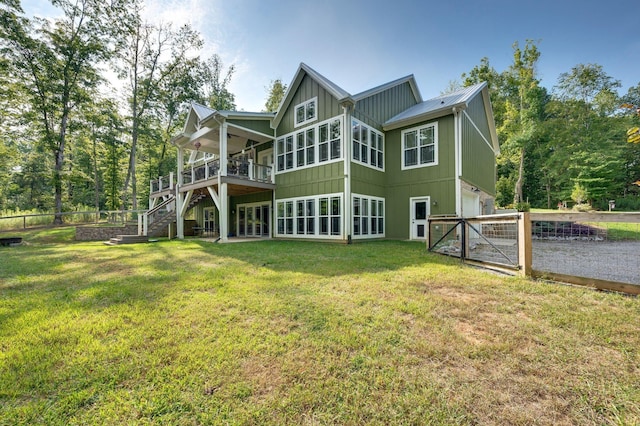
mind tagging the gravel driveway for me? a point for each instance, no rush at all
(614, 261)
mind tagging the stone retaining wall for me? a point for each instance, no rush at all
(100, 233)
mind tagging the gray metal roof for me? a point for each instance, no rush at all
(435, 107)
(202, 111)
(407, 79)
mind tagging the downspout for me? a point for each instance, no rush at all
(457, 130)
(348, 205)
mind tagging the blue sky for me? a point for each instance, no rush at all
(360, 44)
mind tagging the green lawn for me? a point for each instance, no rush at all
(191, 332)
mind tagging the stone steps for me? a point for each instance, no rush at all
(127, 239)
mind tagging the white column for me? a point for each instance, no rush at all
(179, 196)
(223, 149)
(224, 212)
(347, 214)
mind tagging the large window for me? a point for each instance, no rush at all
(420, 146)
(311, 145)
(368, 216)
(306, 112)
(367, 145)
(317, 217)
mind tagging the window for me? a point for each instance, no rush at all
(316, 217)
(420, 146)
(297, 150)
(368, 216)
(367, 145)
(305, 112)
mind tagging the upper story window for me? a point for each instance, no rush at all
(306, 112)
(420, 146)
(368, 145)
(315, 144)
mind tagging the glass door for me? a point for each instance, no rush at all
(419, 218)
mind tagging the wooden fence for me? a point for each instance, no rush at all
(600, 250)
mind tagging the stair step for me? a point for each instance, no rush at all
(127, 239)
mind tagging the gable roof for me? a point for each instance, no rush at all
(407, 79)
(443, 105)
(336, 91)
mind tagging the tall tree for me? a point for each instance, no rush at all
(216, 84)
(523, 108)
(56, 63)
(153, 54)
(588, 100)
(275, 94)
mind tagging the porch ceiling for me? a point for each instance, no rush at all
(209, 139)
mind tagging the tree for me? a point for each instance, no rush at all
(216, 83)
(275, 94)
(56, 63)
(153, 54)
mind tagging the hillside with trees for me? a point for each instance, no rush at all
(74, 137)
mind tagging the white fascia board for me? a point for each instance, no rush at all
(442, 112)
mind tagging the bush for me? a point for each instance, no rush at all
(522, 207)
(628, 204)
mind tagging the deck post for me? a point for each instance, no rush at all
(224, 212)
(179, 196)
(524, 244)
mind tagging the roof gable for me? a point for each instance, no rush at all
(443, 105)
(336, 91)
(379, 89)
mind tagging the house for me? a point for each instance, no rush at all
(329, 165)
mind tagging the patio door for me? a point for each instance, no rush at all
(253, 220)
(209, 222)
(419, 218)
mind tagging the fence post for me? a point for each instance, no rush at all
(524, 243)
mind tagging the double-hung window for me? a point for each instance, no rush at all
(420, 146)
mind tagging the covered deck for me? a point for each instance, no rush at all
(217, 157)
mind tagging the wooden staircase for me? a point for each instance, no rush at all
(158, 219)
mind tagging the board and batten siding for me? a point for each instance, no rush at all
(327, 106)
(376, 109)
(436, 182)
(477, 153)
(311, 181)
(367, 181)
(262, 126)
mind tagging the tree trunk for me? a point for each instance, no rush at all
(517, 196)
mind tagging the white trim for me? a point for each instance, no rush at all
(368, 216)
(316, 146)
(304, 106)
(370, 130)
(457, 152)
(316, 217)
(478, 130)
(250, 205)
(427, 198)
(436, 142)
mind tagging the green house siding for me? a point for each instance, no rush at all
(397, 215)
(248, 199)
(478, 158)
(380, 107)
(445, 169)
(367, 181)
(324, 179)
(327, 105)
(262, 126)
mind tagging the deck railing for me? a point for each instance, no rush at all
(163, 183)
(243, 169)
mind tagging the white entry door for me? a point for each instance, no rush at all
(419, 218)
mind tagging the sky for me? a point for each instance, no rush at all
(360, 44)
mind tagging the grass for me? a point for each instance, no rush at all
(190, 332)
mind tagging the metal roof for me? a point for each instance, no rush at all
(435, 107)
(407, 79)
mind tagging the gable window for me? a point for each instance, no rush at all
(306, 112)
(420, 146)
(368, 145)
